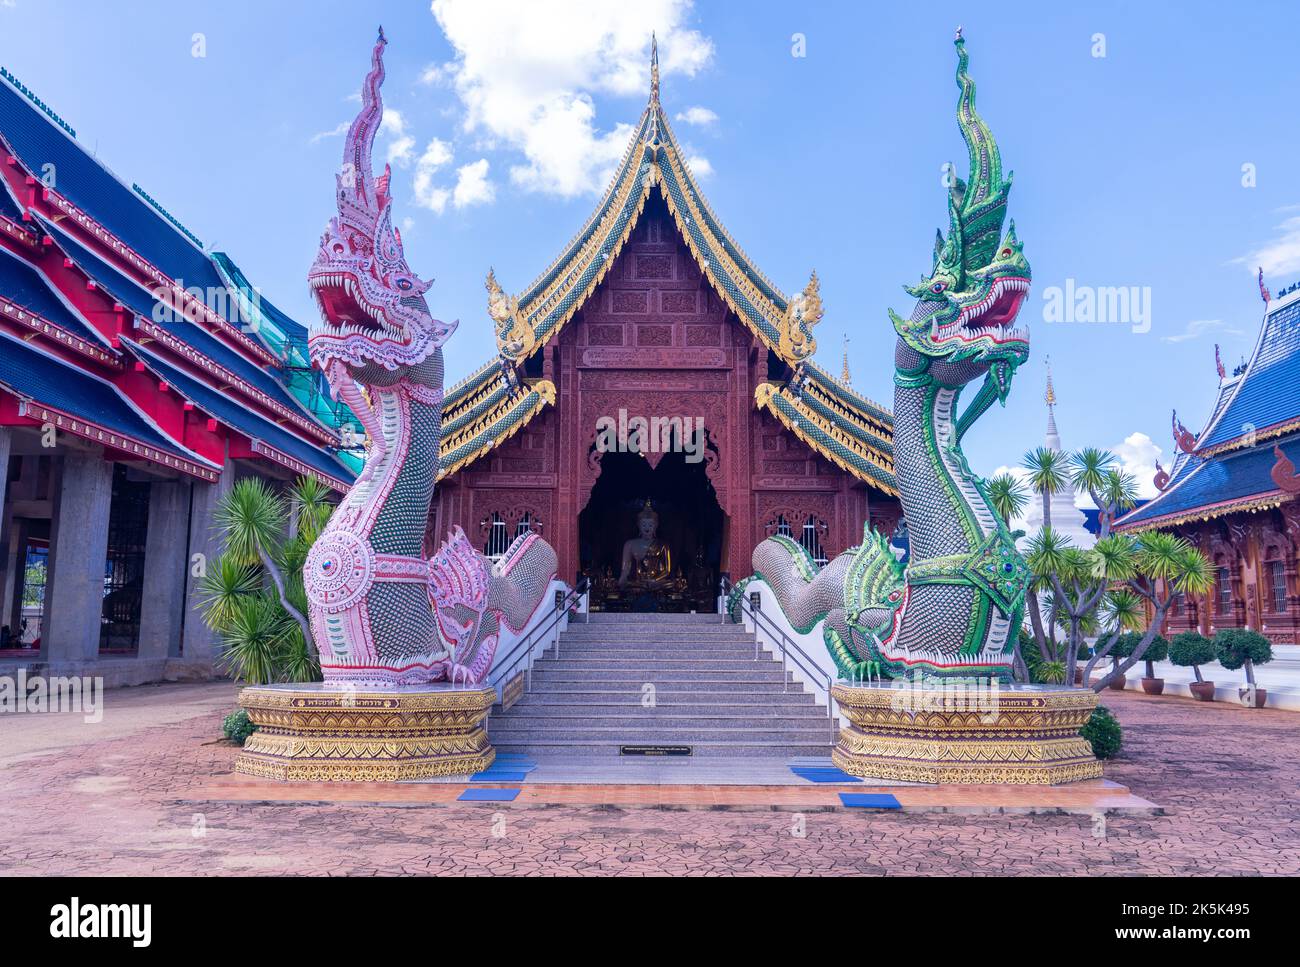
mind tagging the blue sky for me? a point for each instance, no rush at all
(1129, 166)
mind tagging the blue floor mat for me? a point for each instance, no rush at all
(498, 775)
(488, 795)
(870, 800)
(823, 774)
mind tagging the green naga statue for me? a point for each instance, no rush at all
(954, 610)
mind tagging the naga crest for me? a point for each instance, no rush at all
(802, 313)
(515, 338)
(458, 579)
(371, 304)
(970, 300)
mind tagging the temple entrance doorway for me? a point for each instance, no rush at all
(650, 538)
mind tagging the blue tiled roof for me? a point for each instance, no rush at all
(1269, 392)
(88, 185)
(1225, 477)
(142, 303)
(244, 420)
(36, 376)
(22, 284)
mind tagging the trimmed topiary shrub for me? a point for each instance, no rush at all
(237, 726)
(1190, 649)
(1235, 647)
(1158, 650)
(1103, 732)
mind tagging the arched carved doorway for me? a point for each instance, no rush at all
(691, 524)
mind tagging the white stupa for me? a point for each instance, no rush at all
(1067, 519)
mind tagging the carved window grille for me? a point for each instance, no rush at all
(809, 535)
(1224, 596)
(1277, 579)
(498, 537)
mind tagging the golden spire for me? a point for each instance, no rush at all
(845, 378)
(654, 68)
(1050, 396)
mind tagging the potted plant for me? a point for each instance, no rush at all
(1237, 647)
(1121, 649)
(1157, 650)
(1192, 650)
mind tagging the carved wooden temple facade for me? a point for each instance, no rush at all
(1233, 489)
(653, 311)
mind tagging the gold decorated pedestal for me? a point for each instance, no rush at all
(1015, 735)
(331, 732)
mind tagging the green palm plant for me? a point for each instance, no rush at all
(265, 635)
(1008, 496)
(1047, 476)
(253, 522)
(1090, 468)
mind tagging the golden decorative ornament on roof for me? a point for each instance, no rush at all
(802, 313)
(515, 338)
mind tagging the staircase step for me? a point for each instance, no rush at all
(711, 693)
(661, 735)
(534, 719)
(663, 686)
(584, 699)
(736, 750)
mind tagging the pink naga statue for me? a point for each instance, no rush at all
(382, 613)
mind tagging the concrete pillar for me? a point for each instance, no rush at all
(198, 643)
(165, 569)
(74, 594)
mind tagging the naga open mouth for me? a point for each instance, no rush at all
(345, 312)
(991, 318)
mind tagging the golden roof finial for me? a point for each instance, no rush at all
(1050, 396)
(845, 378)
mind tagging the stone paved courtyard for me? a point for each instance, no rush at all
(80, 798)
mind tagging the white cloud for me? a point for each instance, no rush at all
(698, 116)
(401, 149)
(526, 78)
(472, 185)
(700, 166)
(1281, 255)
(1197, 328)
(436, 74)
(428, 194)
(340, 130)
(1138, 455)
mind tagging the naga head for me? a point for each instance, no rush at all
(373, 313)
(967, 305)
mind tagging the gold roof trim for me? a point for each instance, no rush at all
(765, 396)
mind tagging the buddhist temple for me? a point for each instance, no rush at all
(653, 361)
(1232, 487)
(140, 376)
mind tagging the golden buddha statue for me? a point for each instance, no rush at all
(647, 561)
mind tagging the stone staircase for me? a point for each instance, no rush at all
(660, 680)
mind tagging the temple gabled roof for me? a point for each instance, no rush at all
(1266, 400)
(1230, 467)
(1234, 482)
(486, 407)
